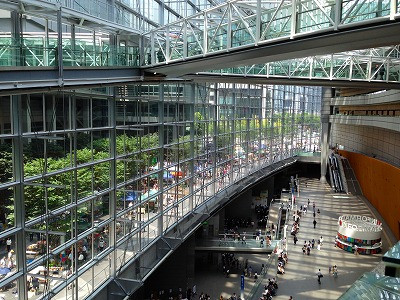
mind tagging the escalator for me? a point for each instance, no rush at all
(335, 174)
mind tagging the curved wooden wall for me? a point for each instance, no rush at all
(380, 183)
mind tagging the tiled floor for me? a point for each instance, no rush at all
(300, 280)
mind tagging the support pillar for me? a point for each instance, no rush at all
(325, 104)
(161, 129)
(16, 34)
(20, 243)
(192, 97)
(112, 108)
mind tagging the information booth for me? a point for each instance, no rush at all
(359, 233)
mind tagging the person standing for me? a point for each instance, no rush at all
(315, 223)
(355, 250)
(319, 275)
(8, 242)
(101, 244)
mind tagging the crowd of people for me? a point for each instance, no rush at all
(233, 224)
(171, 294)
(229, 263)
(262, 212)
(269, 289)
(282, 261)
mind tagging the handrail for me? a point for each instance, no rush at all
(262, 276)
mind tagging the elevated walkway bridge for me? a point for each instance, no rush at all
(246, 33)
(279, 42)
(253, 32)
(31, 65)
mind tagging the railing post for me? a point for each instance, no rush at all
(94, 49)
(59, 48)
(351, 68)
(185, 41)
(152, 59)
(205, 35)
(393, 8)
(369, 68)
(73, 45)
(167, 45)
(258, 22)
(229, 29)
(294, 19)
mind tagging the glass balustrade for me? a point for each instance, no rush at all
(37, 53)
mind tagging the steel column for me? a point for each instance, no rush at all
(161, 158)
(19, 204)
(59, 48)
(113, 175)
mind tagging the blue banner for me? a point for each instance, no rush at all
(242, 283)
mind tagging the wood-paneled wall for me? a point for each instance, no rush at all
(380, 183)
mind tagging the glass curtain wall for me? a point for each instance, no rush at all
(88, 178)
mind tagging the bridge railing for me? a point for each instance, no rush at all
(377, 64)
(38, 53)
(271, 262)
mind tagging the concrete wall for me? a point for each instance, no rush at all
(382, 143)
(380, 183)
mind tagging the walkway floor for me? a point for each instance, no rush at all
(300, 280)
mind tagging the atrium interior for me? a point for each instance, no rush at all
(130, 130)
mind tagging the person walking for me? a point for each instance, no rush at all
(319, 275)
(315, 223)
(334, 270)
(295, 239)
